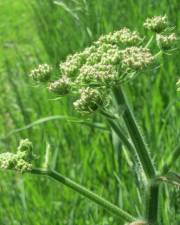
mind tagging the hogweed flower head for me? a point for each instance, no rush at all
(21, 161)
(61, 86)
(156, 23)
(42, 73)
(90, 100)
(166, 42)
(114, 58)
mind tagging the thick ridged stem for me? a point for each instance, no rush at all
(135, 135)
(152, 196)
(152, 190)
(86, 193)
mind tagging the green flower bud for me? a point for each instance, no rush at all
(156, 23)
(25, 150)
(42, 73)
(61, 86)
(166, 42)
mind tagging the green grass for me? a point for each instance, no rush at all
(32, 32)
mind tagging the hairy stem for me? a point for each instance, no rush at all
(86, 193)
(152, 196)
(135, 135)
(152, 190)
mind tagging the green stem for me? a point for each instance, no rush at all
(152, 196)
(135, 135)
(122, 137)
(152, 192)
(85, 192)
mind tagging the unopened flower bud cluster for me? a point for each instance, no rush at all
(21, 161)
(111, 60)
(89, 101)
(136, 58)
(61, 86)
(156, 23)
(123, 36)
(159, 25)
(166, 41)
(41, 73)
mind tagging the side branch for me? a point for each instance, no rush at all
(86, 193)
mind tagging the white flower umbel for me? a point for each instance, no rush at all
(98, 74)
(156, 23)
(112, 60)
(166, 42)
(42, 73)
(123, 36)
(61, 87)
(21, 161)
(136, 58)
(90, 100)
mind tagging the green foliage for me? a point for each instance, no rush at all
(47, 32)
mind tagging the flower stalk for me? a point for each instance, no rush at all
(86, 193)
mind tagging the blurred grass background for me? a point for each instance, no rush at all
(38, 31)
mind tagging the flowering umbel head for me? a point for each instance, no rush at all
(90, 100)
(61, 86)
(156, 23)
(123, 36)
(42, 73)
(114, 58)
(21, 161)
(166, 42)
(136, 58)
